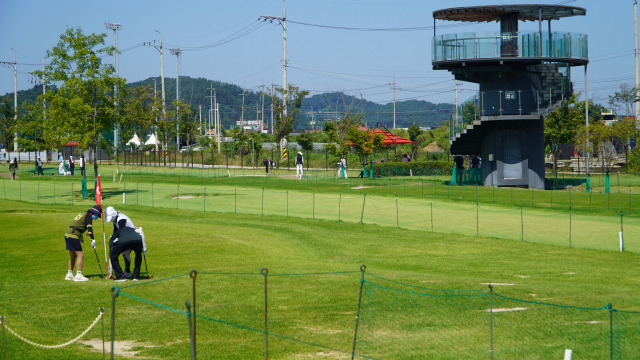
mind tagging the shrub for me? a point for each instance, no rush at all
(415, 168)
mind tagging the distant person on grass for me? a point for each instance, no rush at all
(39, 165)
(13, 168)
(82, 164)
(72, 164)
(73, 237)
(299, 164)
(120, 221)
(266, 163)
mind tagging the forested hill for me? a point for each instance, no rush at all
(197, 91)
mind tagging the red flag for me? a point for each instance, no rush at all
(99, 193)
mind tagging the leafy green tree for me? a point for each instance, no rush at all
(305, 140)
(283, 124)
(83, 106)
(8, 123)
(139, 113)
(414, 135)
(625, 129)
(561, 126)
(364, 143)
(30, 129)
(625, 97)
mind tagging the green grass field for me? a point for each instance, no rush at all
(425, 293)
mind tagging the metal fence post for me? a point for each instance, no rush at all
(491, 321)
(569, 225)
(611, 347)
(193, 274)
(364, 199)
(265, 273)
(4, 345)
(193, 350)
(521, 224)
(431, 213)
(114, 295)
(477, 220)
(363, 268)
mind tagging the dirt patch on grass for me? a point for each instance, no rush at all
(508, 309)
(127, 348)
(7, 176)
(325, 355)
(362, 187)
(497, 284)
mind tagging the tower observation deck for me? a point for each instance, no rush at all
(522, 76)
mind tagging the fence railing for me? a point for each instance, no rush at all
(384, 319)
(557, 218)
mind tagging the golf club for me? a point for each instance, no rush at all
(145, 266)
(100, 266)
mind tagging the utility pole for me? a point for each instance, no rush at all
(115, 27)
(262, 110)
(155, 95)
(635, 32)
(44, 90)
(394, 102)
(283, 22)
(242, 110)
(15, 98)
(177, 53)
(164, 107)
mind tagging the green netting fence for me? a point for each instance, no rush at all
(367, 316)
(507, 220)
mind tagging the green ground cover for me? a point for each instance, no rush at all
(235, 230)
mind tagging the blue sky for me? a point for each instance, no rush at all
(320, 59)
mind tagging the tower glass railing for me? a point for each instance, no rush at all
(487, 45)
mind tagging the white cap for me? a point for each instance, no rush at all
(111, 214)
(299, 153)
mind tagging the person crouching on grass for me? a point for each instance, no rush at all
(73, 237)
(126, 238)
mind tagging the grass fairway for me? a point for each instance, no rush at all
(312, 316)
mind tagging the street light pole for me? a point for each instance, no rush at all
(115, 27)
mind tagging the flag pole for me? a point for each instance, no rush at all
(98, 199)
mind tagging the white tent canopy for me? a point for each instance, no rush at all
(152, 140)
(134, 140)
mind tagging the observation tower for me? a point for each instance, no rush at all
(522, 76)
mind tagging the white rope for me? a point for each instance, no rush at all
(61, 345)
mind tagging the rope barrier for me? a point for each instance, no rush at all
(60, 345)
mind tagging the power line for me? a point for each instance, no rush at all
(416, 28)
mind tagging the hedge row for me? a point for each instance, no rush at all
(415, 168)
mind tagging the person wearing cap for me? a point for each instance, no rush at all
(299, 164)
(73, 237)
(125, 238)
(39, 165)
(119, 221)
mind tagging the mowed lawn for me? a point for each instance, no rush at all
(313, 289)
